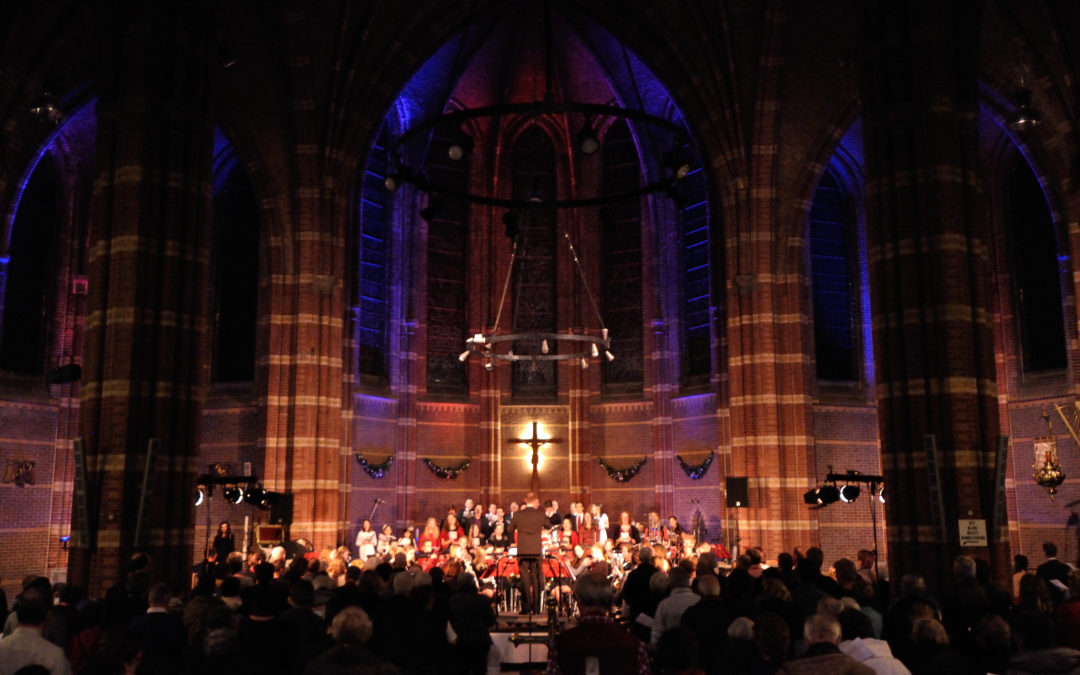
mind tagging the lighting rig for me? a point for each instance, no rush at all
(831, 491)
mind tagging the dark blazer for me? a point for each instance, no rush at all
(529, 524)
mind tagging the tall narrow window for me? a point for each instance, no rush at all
(533, 176)
(694, 230)
(372, 306)
(30, 270)
(1037, 280)
(832, 273)
(235, 231)
(621, 261)
(447, 322)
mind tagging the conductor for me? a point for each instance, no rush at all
(528, 524)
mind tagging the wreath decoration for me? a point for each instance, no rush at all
(447, 472)
(375, 470)
(696, 471)
(623, 475)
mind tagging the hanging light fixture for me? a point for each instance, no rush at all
(672, 148)
(1047, 469)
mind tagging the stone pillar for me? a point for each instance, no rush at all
(929, 280)
(146, 334)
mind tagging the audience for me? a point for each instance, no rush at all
(431, 610)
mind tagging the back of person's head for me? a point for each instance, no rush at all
(72, 595)
(1050, 549)
(658, 583)
(708, 586)
(963, 568)
(159, 595)
(807, 570)
(772, 636)
(706, 563)
(235, 561)
(678, 577)
(352, 574)
(845, 570)
(645, 555)
(993, 643)
(1032, 629)
(1020, 563)
(400, 561)
(688, 565)
(677, 650)
(302, 593)
(819, 628)
(929, 632)
(912, 584)
(785, 561)
(351, 626)
(855, 624)
(264, 573)
(230, 587)
(816, 556)
(32, 607)
(741, 629)
(775, 589)
(402, 584)
(754, 555)
(594, 591)
(743, 562)
(829, 605)
(466, 582)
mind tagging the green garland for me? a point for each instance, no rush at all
(447, 472)
(374, 470)
(623, 475)
(696, 471)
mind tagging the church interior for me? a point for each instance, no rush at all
(709, 259)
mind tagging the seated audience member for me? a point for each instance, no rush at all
(1033, 635)
(677, 652)
(1054, 572)
(773, 642)
(742, 655)
(472, 618)
(709, 619)
(931, 651)
(596, 638)
(26, 646)
(669, 611)
(858, 642)
(822, 635)
(162, 633)
(1067, 615)
(350, 629)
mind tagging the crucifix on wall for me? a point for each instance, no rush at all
(535, 442)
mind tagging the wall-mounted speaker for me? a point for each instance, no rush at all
(738, 492)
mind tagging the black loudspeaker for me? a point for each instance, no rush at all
(281, 509)
(738, 492)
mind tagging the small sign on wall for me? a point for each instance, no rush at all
(20, 472)
(973, 532)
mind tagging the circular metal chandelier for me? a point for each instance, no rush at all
(672, 147)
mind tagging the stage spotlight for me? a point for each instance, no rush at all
(200, 496)
(850, 493)
(234, 494)
(811, 496)
(256, 496)
(828, 494)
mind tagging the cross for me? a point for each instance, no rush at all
(535, 442)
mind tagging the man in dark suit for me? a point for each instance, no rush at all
(1053, 569)
(528, 525)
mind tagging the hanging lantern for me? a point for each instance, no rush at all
(1047, 469)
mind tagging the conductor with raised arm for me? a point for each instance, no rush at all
(528, 526)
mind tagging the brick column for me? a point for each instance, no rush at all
(926, 230)
(146, 328)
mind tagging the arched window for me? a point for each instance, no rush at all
(235, 234)
(833, 276)
(1037, 279)
(533, 175)
(621, 275)
(372, 307)
(30, 270)
(447, 261)
(695, 252)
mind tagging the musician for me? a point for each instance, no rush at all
(588, 534)
(498, 540)
(673, 526)
(625, 532)
(366, 540)
(551, 510)
(527, 527)
(451, 532)
(567, 538)
(654, 530)
(430, 533)
(386, 538)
